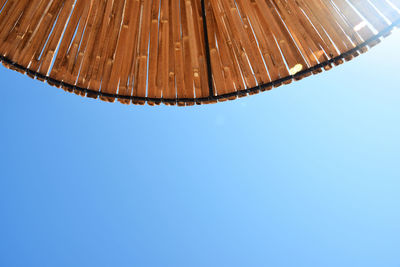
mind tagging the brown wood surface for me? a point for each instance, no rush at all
(155, 51)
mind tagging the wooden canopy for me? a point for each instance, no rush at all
(185, 51)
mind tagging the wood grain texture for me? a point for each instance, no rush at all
(154, 51)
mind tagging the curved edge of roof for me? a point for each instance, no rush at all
(203, 100)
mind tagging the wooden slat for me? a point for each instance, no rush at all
(155, 50)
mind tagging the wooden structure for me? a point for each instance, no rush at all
(185, 51)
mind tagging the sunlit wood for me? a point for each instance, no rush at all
(154, 51)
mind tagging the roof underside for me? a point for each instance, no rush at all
(185, 51)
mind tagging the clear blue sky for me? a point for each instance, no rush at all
(305, 175)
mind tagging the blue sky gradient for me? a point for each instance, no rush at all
(304, 175)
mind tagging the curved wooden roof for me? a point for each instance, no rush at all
(185, 51)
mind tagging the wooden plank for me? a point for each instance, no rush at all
(156, 48)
